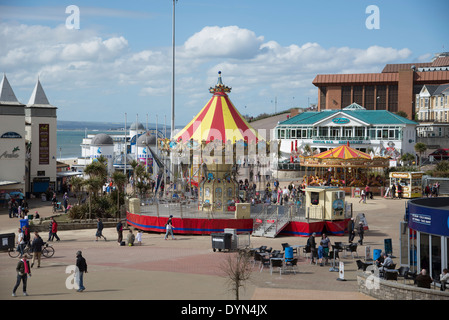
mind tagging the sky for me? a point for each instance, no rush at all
(118, 59)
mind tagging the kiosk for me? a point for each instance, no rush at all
(411, 183)
(325, 203)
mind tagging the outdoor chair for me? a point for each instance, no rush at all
(362, 265)
(276, 263)
(353, 249)
(275, 253)
(391, 274)
(292, 265)
(402, 272)
(257, 258)
(262, 248)
(269, 249)
(265, 261)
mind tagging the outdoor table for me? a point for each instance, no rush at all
(298, 247)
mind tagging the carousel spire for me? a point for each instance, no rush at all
(219, 87)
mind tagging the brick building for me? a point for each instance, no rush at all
(393, 89)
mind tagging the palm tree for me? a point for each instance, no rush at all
(119, 179)
(93, 184)
(97, 169)
(134, 164)
(420, 148)
(77, 184)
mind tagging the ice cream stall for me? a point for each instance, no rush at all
(411, 183)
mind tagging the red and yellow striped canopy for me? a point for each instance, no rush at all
(218, 120)
(343, 152)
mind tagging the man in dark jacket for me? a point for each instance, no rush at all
(23, 270)
(361, 231)
(81, 266)
(423, 280)
(36, 248)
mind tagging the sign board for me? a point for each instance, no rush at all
(341, 271)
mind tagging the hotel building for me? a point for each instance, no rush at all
(393, 89)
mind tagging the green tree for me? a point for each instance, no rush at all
(119, 179)
(93, 184)
(407, 158)
(77, 185)
(420, 148)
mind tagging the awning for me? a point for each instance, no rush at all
(68, 174)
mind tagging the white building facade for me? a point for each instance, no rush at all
(379, 132)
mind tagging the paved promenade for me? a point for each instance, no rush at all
(187, 268)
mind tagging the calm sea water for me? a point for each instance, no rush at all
(69, 142)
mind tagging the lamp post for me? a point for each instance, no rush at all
(173, 72)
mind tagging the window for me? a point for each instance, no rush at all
(314, 198)
(345, 96)
(393, 98)
(323, 91)
(369, 98)
(358, 95)
(381, 97)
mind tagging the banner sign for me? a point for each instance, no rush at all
(44, 143)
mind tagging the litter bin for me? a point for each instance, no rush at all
(24, 222)
(221, 241)
(288, 253)
(7, 241)
(376, 254)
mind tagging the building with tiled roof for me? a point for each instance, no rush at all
(393, 89)
(378, 131)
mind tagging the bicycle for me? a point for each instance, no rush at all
(47, 251)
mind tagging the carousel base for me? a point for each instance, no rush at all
(208, 226)
(306, 229)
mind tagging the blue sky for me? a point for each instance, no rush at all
(120, 59)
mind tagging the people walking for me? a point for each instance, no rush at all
(99, 233)
(23, 271)
(393, 191)
(361, 231)
(139, 237)
(36, 248)
(323, 249)
(169, 228)
(21, 242)
(119, 228)
(54, 230)
(351, 230)
(65, 200)
(81, 267)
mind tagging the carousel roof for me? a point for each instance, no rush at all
(343, 152)
(218, 120)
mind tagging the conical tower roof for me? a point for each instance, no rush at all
(39, 98)
(218, 120)
(7, 95)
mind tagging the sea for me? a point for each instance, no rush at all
(70, 135)
(69, 141)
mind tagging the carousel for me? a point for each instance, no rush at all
(204, 155)
(344, 166)
(207, 151)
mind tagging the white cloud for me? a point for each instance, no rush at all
(67, 60)
(223, 42)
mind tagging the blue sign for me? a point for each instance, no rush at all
(340, 120)
(429, 217)
(11, 135)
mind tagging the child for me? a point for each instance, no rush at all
(139, 237)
